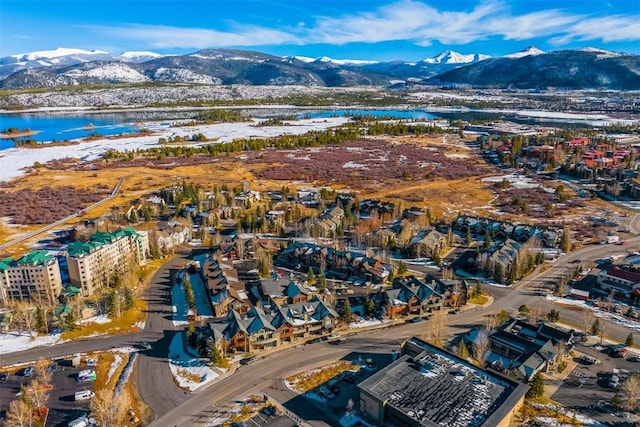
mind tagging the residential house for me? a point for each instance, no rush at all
(411, 295)
(428, 242)
(525, 349)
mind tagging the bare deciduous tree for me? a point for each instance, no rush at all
(37, 394)
(19, 414)
(110, 409)
(587, 318)
(630, 393)
(435, 332)
(481, 346)
(43, 371)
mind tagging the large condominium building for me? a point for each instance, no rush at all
(35, 277)
(92, 264)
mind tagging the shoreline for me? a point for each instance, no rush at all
(17, 161)
(19, 134)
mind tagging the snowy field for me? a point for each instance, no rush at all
(13, 161)
(180, 363)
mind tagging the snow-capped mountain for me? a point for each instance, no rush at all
(106, 72)
(139, 56)
(451, 57)
(63, 56)
(55, 54)
(588, 67)
(602, 53)
(529, 51)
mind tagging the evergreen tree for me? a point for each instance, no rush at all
(629, 341)
(70, 322)
(467, 237)
(192, 336)
(436, 258)
(369, 306)
(392, 275)
(536, 386)
(133, 217)
(596, 327)
(188, 291)
(263, 268)
(217, 359)
(463, 351)
(129, 301)
(345, 311)
(402, 268)
(322, 282)
(311, 277)
(40, 320)
(147, 214)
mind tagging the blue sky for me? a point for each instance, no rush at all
(344, 29)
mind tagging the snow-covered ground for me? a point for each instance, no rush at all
(13, 342)
(181, 361)
(365, 323)
(117, 360)
(612, 317)
(484, 280)
(515, 180)
(103, 318)
(14, 160)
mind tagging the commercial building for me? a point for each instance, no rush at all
(427, 386)
(92, 264)
(35, 277)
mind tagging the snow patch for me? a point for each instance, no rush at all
(14, 342)
(183, 365)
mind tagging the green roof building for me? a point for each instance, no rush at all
(35, 277)
(92, 264)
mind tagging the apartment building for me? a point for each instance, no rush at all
(35, 277)
(92, 264)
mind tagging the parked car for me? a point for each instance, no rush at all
(587, 360)
(416, 320)
(269, 411)
(248, 360)
(634, 359)
(4, 376)
(456, 311)
(53, 368)
(28, 371)
(349, 378)
(334, 389)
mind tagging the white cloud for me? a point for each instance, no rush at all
(161, 36)
(407, 20)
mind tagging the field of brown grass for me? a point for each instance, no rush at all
(427, 172)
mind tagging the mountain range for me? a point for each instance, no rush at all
(529, 68)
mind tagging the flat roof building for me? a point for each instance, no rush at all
(35, 276)
(427, 386)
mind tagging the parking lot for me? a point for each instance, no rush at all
(588, 389)
(62, 405)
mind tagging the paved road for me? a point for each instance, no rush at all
(153, 377)
(266, 375)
